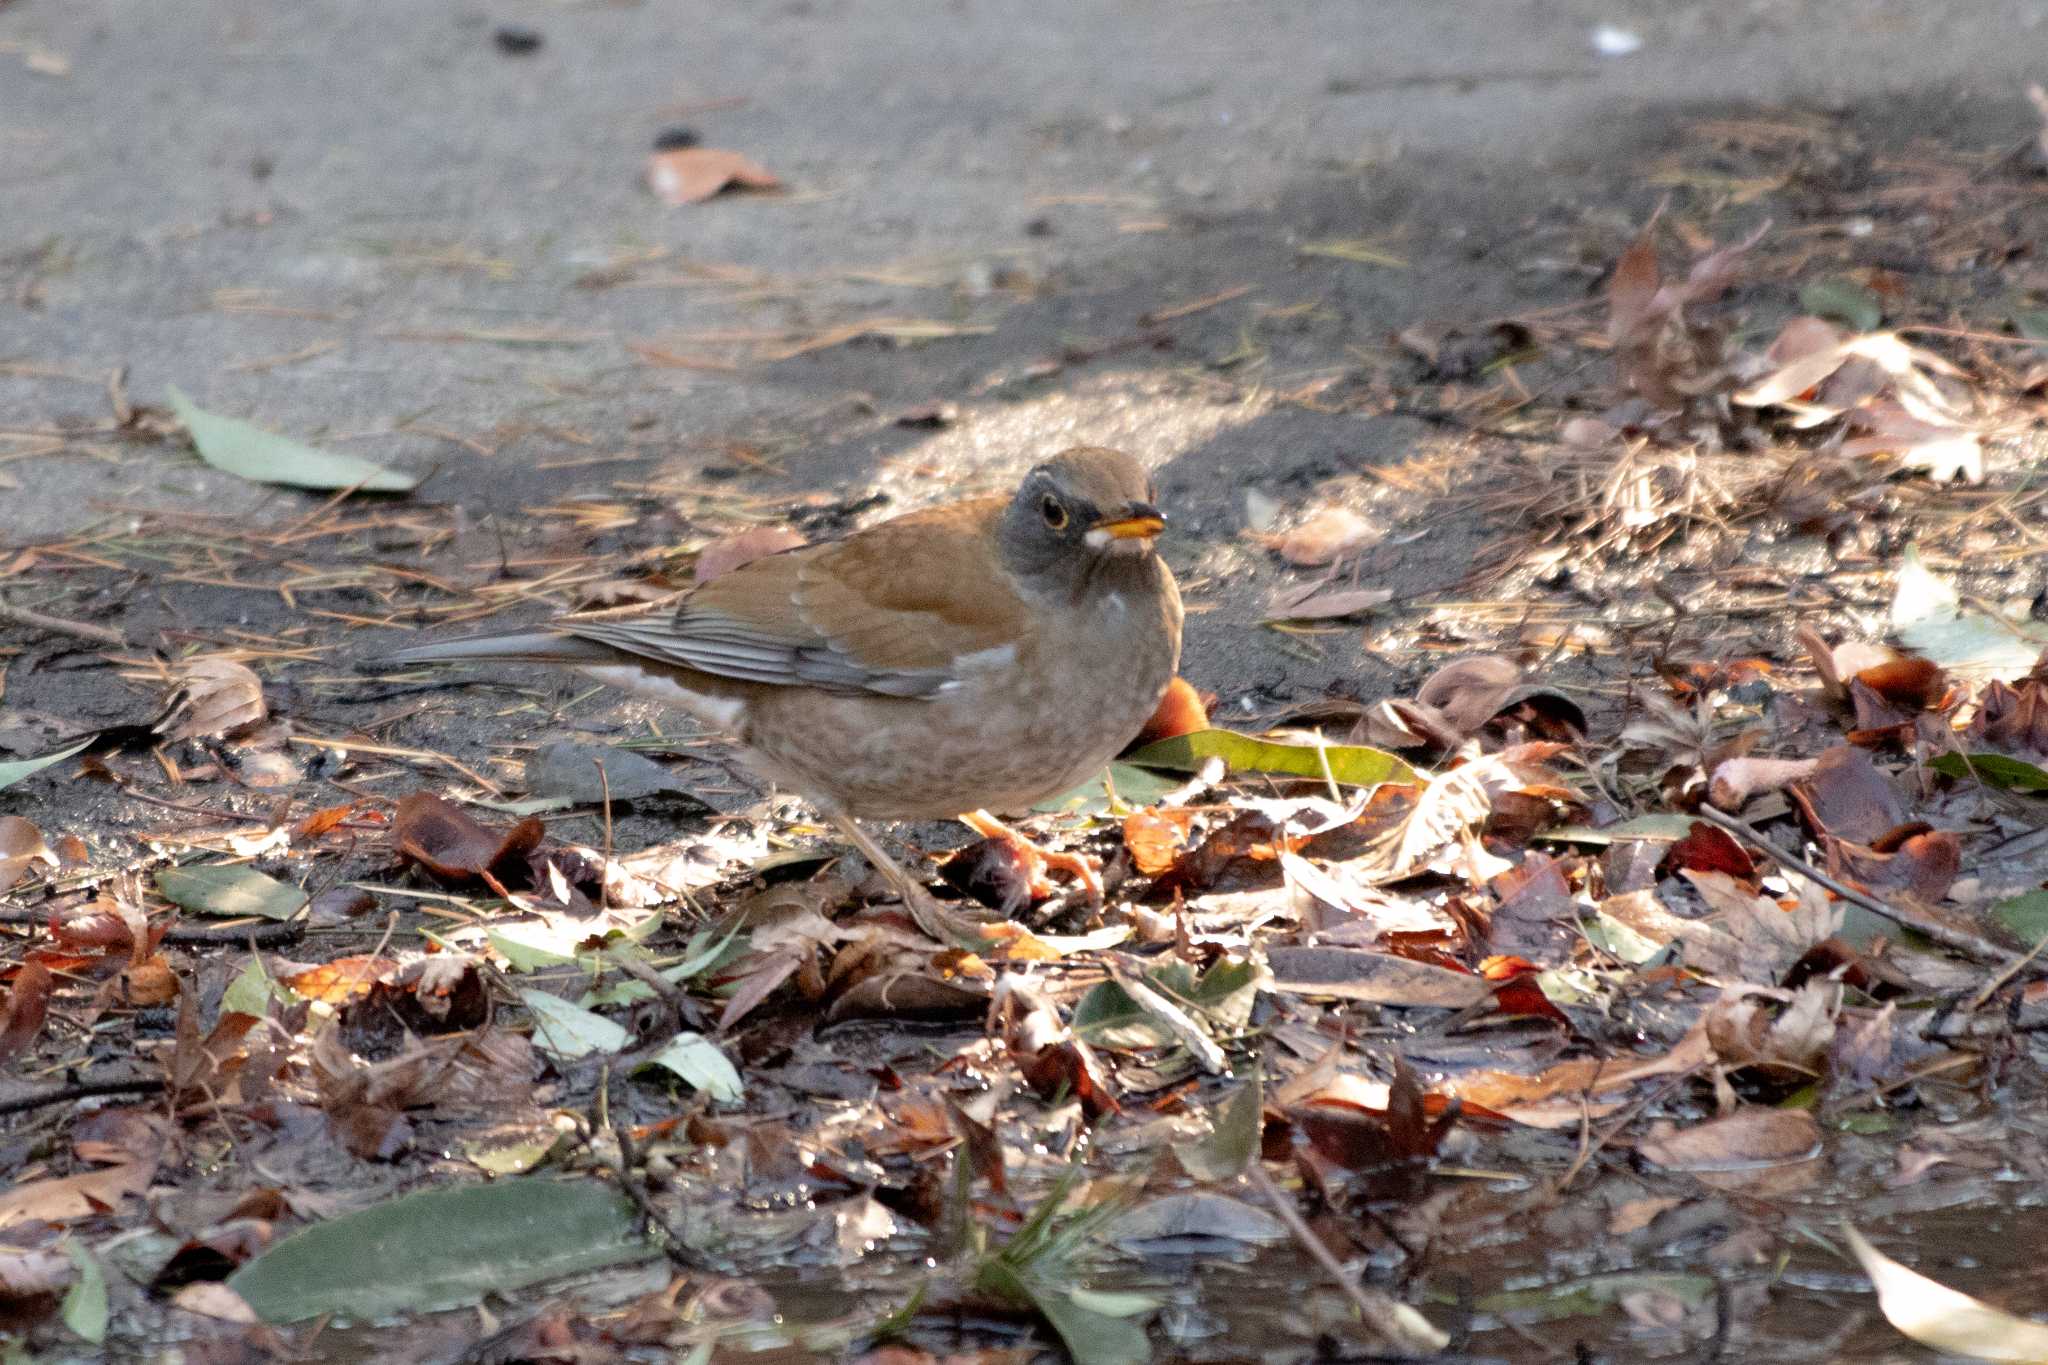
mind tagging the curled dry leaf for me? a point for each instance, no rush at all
(22, 1013)
(216, 697)
(439, 837)
(1156, 837)
(690, 175)
(1325, 537)
(724, 555)
(1949, 1321)
(1726, 1150)
(1847, 797)
(21, 848)
(1471, 691)
(1736, 780)
(1788, 1038)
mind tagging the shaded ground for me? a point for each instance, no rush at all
(1189, 232)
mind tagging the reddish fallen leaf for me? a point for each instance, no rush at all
(2012, 720)
(1388, 1146)
(1518, 993)
(23, 1013)
(1156, 837)
(1923, 866)
(1846, 796)
(1182, 711)
(322, 821)
(724, 555)
(151, 982)
(690, 175)
(334, 982)
(439, 837)
(1070, 1068)
(1709, 848)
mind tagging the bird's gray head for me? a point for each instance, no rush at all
(1078, 513)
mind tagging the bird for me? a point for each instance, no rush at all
(981, 655)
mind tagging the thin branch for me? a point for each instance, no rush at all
(57, 625)
(1947, 935)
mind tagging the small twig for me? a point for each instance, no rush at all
(1394, 1321)
(1589, 1150)
(1948, 936)
(256, 936)
(57, 625)
(672, 1244)
(63, 1094)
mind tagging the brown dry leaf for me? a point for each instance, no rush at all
(1765, 937)
(1922, 867)
(63, 1199)
(1949, 1321)
(1736, 780)
(23, 1012)
(1564, 1094)
(1752, 1144)
(724, 555)
(1785, 1034)
(1324, 602)
(1471, 691)
(439, 837)
(690, 175)
(1837, 664)
(1378, 978)
(336, 982)
(216, 697)
(2012, 720)
(1325, 537)
(21, 846)
(1848, 798)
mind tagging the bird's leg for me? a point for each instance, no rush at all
(1084, 869)
(937, 921)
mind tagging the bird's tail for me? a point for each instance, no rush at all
(537, 647)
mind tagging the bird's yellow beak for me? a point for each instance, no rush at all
(1139, 521)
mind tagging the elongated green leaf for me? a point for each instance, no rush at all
(2026, 916)
(1233, 1140)
(1844, 301)
(229, 891)
(1134, 786)
(441, 1249)
(702, 1064)
(1657, 827)
(1351, 764)
(13, 771)
(570, 1031)
(249, 452)
(1092, 1337)
(85, 1303)
(1993, 770)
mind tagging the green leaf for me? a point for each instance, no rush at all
(1091, 1337)
(1927, 612)
(249, 452)
(1845, 301)
(2026, 916)
(1993, 770)
(1592, 1296)
(85, 1303)
(570, 1031)
(1134, 787)
(702, 1065)
(1232, 1141)
(1351, 764)
(252, 991)
(442, 1249)
(12, 772)
(229, 890)
(2032, 323)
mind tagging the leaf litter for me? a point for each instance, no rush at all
(1782, 928)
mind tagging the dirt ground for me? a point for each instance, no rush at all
(1268, 250)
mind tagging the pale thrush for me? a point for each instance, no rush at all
(985, 654)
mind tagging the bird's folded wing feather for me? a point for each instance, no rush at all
(892, 611)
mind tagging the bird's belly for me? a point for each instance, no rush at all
(987, 744)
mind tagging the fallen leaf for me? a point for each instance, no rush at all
(230, 891)
(724, 555)
(247, 451)
(1934, 1315)
(216, 697)
(21, 846)
(442, 839)
(1326, 536)
(690, 175)
(1750, 1145)
(23, 1012)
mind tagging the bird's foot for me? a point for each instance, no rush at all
(940, 923)
(1040, 861)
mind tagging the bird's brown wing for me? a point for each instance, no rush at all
(892, 610)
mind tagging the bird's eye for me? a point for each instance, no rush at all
(1055, 513)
